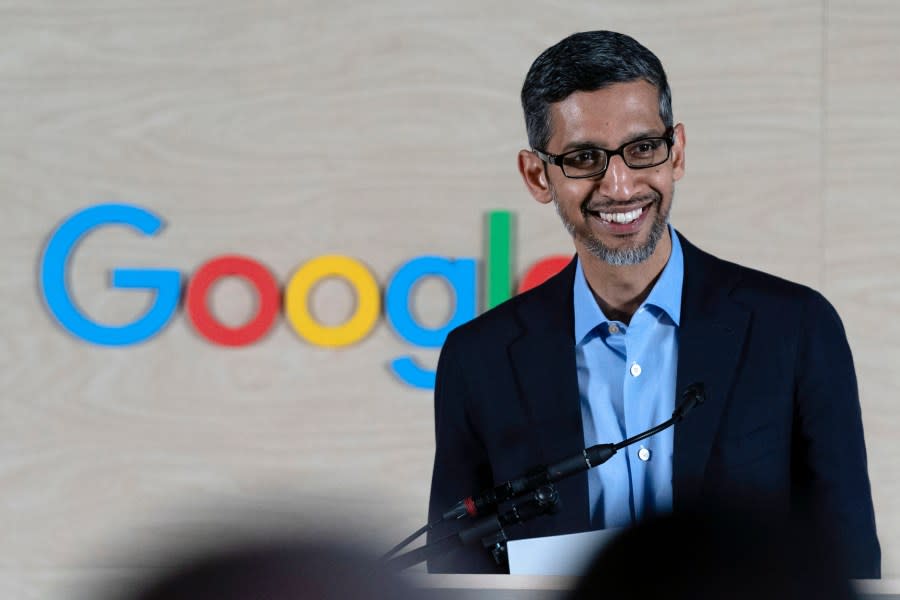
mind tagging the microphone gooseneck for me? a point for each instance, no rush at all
(538, 482)
(488, 500)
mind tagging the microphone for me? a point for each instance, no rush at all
(692, 396)
(473, 506)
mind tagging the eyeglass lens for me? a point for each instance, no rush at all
(593, 161)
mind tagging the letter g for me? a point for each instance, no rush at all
(54, 263)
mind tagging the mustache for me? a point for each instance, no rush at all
(588, 205)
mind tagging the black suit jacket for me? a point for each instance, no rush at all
(780, 429)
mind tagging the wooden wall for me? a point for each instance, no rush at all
(289, 130)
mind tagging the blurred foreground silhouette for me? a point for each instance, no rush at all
(281, 570)
(702, 557)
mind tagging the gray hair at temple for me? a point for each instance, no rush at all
(584, 62)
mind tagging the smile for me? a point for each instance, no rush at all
(621, 218)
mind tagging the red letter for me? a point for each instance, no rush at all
(269, 300)
(542, 270)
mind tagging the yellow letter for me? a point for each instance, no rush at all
(368, 301)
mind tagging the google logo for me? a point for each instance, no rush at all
(169, 286)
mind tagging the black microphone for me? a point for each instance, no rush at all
(489, 529)
(693, 395)
(473, 506)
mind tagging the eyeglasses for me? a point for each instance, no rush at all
(592, 162)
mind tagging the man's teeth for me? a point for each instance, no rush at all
(627, 217)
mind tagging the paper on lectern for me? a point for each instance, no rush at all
(568, 554)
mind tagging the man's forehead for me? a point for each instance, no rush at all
(611, 115)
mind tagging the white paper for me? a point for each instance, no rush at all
(569, 554)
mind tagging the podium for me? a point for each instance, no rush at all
(530, 587)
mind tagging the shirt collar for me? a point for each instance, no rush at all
(665, 295)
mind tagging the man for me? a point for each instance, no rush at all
(602, 351)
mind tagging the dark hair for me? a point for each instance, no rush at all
(584, 62)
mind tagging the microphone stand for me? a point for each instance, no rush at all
(489, 530)
(538, 482)
(591, 457)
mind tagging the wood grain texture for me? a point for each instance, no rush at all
(284, 131)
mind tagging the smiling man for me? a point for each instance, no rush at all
(601, 351)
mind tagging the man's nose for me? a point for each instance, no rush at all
(618, 181)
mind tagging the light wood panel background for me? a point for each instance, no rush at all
(287, 130)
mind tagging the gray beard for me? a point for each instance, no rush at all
(618, 257)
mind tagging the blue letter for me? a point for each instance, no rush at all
(460, 274)
(167, 283)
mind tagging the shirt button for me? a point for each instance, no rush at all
(635, 369)
(613, 328)
(644, 454)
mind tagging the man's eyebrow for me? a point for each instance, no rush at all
(584, 144)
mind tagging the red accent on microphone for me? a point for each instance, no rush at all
(470, 507)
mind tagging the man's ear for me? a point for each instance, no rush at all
(678, 152)
(535, 176)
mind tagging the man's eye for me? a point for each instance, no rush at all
(583, 159)
(644, 148)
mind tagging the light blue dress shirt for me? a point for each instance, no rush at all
(626, 384)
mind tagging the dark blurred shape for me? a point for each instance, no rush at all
(702, 556)
(274, 571)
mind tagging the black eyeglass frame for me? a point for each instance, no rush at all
(668, 137)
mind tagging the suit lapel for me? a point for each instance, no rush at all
(543, 359)
(710, 338)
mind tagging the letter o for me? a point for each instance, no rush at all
(232, 266)
(368, 301)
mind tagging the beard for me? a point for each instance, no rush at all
(618, 257)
